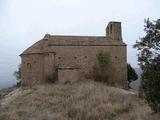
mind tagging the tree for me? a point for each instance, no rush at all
(149, 61)
(17, 74)
(132, 75)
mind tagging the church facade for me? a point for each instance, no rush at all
(73, 57)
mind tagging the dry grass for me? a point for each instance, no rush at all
(78, 101)
(6, 91)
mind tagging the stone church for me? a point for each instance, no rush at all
(73, 57)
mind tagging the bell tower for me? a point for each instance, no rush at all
(114, 31)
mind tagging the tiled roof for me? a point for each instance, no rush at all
(35, 48)
(72, 41)
(82, 41)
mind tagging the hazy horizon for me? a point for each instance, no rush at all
(23, 22)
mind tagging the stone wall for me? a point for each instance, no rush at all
(36, 68)
(32, 69)
(84, 57)
(53, 52)
(67, 74)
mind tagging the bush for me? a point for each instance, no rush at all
(102, 71)
(103, 59)
(131, 73)
(151, 86)
(103, 75)
(17, 74)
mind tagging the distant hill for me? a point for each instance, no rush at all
(136, 84)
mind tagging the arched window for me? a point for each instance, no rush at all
(29, 67)
(108, 31)
(111, 29)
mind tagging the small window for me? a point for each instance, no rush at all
(29, 67)
(59, 57)
(85, 57)
(75, 57)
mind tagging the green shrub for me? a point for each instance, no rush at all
(17, 74)
(103, 59)
(104, 69)
(131, 74)
(151, 86)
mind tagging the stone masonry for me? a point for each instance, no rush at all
(74, 54)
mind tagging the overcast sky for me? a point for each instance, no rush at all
(23, 22)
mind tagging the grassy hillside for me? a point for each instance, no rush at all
(77, 101)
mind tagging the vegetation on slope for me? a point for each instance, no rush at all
(6, 91)
(86, 100)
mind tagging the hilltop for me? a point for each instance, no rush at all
(82, 100)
